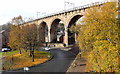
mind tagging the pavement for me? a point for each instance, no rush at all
(59, 63)
(79, 65)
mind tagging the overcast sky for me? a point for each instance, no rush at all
(29, 8)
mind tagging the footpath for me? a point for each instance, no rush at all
(78, 65)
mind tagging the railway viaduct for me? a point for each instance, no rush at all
(47, 25)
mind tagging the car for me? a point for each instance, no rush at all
(5, 49)
(47, 48)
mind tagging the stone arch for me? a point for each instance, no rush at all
(56, 34)
(43, 32)
(74, 15)
(55, 19)
(72, 36)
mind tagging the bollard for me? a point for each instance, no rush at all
(80, 55)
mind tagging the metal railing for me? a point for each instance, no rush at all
(75, 8)
(72, 9)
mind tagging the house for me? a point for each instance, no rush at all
(4, 39)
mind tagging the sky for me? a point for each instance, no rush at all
(29, 8)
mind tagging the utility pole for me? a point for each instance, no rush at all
(38, 27)
(41, 13)
(26, 19)
(68, 3)
(38, 14)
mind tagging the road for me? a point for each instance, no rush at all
(59, 63)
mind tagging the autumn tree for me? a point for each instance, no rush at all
(17, 20)
(15, 33)
(12, 38)
(29, 37)
(100, 36)
(23, 36)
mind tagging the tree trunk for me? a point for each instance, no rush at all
(12, 58)
(26, 50)
(30, 50)
(33, 54)
(20, 50)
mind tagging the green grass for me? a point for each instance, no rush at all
(0, 54)
(8, 53)
(43, 52)
(17, 51)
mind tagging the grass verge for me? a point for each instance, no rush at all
(23, 60)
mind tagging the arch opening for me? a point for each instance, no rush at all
(43, 32)
(72, 36)
(57, 31)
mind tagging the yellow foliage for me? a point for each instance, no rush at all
(100, 36)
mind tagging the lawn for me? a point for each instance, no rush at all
(23, 60)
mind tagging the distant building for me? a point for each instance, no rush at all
(4, 39)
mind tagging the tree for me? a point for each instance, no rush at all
(100, 36)
(12, 38)
(6, 27)
(29, 37)
(15, 41)
(23, 37)
(17, 20)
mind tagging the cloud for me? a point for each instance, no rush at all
(4, 20)
(28, 8)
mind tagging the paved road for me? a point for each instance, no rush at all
(59, 63)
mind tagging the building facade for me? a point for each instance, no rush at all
(4, 39)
